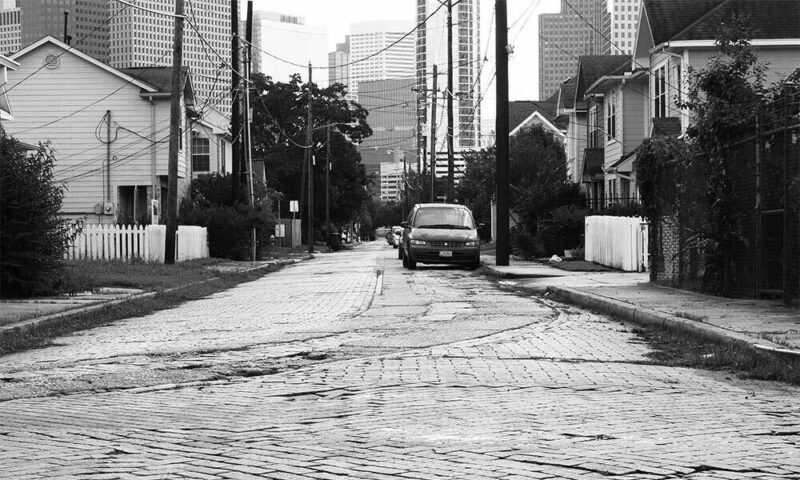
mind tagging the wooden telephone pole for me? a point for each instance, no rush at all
(174, 134)
(433, 133)
(236, 114)
(501, 159)
(449, 94)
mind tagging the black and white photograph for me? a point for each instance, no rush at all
(400, 239)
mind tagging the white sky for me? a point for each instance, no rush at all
(336, 16)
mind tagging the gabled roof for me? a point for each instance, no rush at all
(669, 17)
(592, 67)
(8, 63)
(68, 50)
(566, 98)
(523, 113)
(593, 159)
(683, 20)
(161, 79)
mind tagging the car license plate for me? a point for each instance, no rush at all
(445, 253)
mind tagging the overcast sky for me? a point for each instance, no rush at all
(336, 16)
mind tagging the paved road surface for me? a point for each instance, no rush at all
(350, 365)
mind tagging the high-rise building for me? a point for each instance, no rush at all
(381, 50)
(10, 28)
(140, 37)
(338, 63)
(23, 23)
(288, 45)
(432, 50)
(391, 178)
(623, 22)
(563, 37)
(392, 117)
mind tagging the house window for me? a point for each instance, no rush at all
(660, 92)
(611, 117)
(200, 155)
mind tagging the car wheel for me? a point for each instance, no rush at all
(475, 265)
(409, 263)
(400, 253)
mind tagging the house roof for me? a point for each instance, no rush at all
(624, 164)
(8, 63)
(669, 17)
(681, 20)
(666, 127)
(593, 162)
(592, 67)
(49, 40)
(161, 78)
(566, 99)
(524, 112)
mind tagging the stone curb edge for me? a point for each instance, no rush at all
(25, 326)
(647, 316)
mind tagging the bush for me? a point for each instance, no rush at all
(32, 235)
(564, 229)
(229, 227)
(526, 245)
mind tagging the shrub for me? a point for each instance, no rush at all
(229, 227)
(32, 235)
(563, 230)
(526, 245)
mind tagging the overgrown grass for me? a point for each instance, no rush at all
(679, 349)
(88, 275)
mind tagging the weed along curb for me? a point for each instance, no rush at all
(649, 317)
(12, 332)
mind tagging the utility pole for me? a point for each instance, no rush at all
(449, 94)
(236, 114)
(501, 159)
(433, 132)
(309, 157)
(327, 182)
(248, 144)
(174, 133)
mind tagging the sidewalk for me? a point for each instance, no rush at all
(18, 315)
(763, 324)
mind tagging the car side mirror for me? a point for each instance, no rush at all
(481, 226)
(404, 224)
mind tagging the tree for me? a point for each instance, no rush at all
(279, 135)
(33, 237)
(723, 97)
(538, 180)
(209, 204)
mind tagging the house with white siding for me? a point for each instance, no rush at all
(624, 100)
(109, 129)
(591, 69)
(676, 35)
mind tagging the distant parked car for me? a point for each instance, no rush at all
(397, 235)
(440, 233)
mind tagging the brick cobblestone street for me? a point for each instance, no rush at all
(349, 365)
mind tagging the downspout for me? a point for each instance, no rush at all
(108, 156)
(153, 178)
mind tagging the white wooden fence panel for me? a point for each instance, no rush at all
(116, 242)
(191, 242)
(616, 242)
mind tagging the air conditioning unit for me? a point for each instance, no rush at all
(108, 208)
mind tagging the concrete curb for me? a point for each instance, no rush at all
(25, 326)
(646, 316)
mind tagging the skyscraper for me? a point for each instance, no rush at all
(10, 28)
(623, 22)
(381, 50)
(288, 45)
(576, 31)
(338, 63)
(30, 20)
(432, 50)
(139, 37)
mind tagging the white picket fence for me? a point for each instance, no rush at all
(129, 242)
(617, 242)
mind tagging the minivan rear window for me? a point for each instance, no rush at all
(443, 217)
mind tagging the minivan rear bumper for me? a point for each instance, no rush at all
(458, 255)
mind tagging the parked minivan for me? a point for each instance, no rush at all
(440, 233)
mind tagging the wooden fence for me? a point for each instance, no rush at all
(135, 242)
(617, 242)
